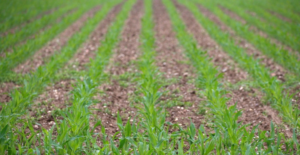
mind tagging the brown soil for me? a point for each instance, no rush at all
(170, 61)
(276, 69)
(255, 112)
(221, 60)
(88, 50)
(116, 97)
(5, 89)
(115, 100)
(55, 45)
(128, 48)
(57, 96)
(253, 109)
(54, 97)
(296, 92)
(256, 30)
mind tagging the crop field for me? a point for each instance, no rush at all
(150, 77)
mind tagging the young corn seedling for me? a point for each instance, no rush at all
(233, 136)
(273, 88)
(24, 51)
(274, 27)
(34, 84)
(74, 132)
(283, 57)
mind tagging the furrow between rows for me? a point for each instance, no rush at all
(277, 70)
(256, 30)
(246, 100)
(179, 95)
(57, 96)
(35, 83)
(54, 45)
(115, 94)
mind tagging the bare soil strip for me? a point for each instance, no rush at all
(116, 97)
(296, 92)
(5, 89)
(54, 98)
(55, 45)
(171, 60)
(222, 61)
(246, 100)
(87, 51)
(277, 70)
(256, 30)
(57, 95)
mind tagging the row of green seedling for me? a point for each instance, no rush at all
(278, 24)
(74, 130)
(32, 28)
(22, 52)
(11, 8)
(272, 87)
(147, 134)
(271, 19)
(155, 138)
(280, 30)
(230, 136)
(34, 84)
(131, 140)
(284, 8)
(283, 57)
(13, 20)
